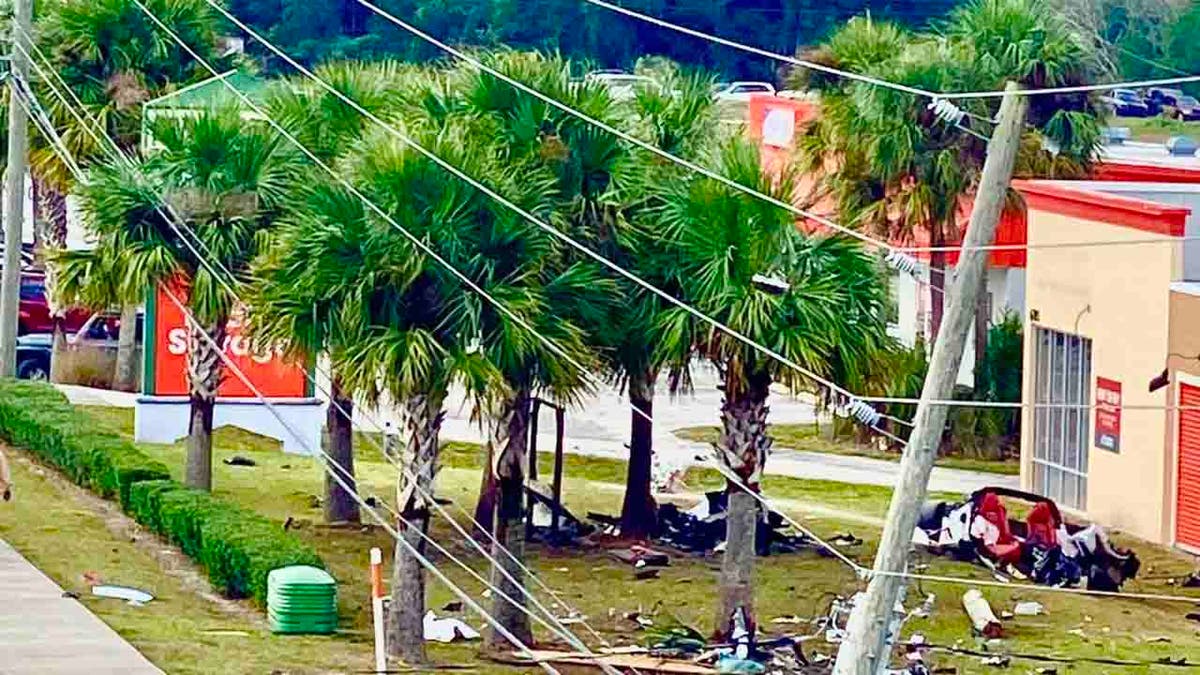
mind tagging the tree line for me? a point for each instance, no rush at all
(321, 29)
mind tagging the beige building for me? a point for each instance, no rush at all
(1101, 433)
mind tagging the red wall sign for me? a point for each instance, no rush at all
(273, 375)
(1108, 414)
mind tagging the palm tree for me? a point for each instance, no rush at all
(417, 330)
(895, 169)
(603, 184)
(113, 58)
(832, 310)
(297, 294)
(226, 180)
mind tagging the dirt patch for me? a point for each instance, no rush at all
(170, 559)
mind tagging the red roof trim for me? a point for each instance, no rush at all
(1144, 173)
(1104, 208)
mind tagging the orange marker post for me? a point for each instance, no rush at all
(377, 610)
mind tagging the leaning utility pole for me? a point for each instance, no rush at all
(866, 648)
(14, 205)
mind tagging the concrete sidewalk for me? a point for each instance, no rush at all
(42, 632)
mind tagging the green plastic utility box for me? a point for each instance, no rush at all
(302, 600)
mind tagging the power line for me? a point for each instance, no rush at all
(729, 475)
(866, 79)
(720, 468)
(533, 219)
(64, 154)
(400, 540)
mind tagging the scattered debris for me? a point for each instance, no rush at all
(562, 569)
(926, 608)
(225, 633)
(788, 619)
(1005, 615)
(640, 556)
(70, 594)
(1044, 547)
(1032, 609)
(455, 606)
(996, 661)
(646, 573)
(1158, 638)
(133, 596)
(447, 630)
(1192, 580)
(240, 460)
(701, 529)
(1193, 616)
(1077, 631)
(980, 612)
(625, 662)
(732, 664)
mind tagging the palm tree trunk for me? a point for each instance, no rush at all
(509, 440)
(125, 378)
(423, 417)
(937, 282)
(52, 236)
(743, 448)
(639, 513)
(489, 493)
(204, 379)
(58, 347)
(340, 503)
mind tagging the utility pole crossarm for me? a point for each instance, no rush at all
(14, 204)
(867, 649)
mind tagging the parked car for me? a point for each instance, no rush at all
(33, 356)
(621, 86)
(1159, 98)
(1127, 103)
(1187, 108)
(34, 314)
(103, 330)
(741, 92)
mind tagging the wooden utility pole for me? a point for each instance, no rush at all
(866, 649)
(14, 205)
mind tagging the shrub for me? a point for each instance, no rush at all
(237, 547)
(37, 417)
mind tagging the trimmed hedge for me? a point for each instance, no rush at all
(237, 547)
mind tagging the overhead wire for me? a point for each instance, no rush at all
(332, 466)
(878, 82)
(425, 495)
(732, 477)
(530, 217)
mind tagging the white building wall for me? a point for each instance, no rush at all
(913, 297)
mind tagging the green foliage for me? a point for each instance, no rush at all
(37, 417)
(224, 178)
(829, 320)
(321, 30)
(238, 548)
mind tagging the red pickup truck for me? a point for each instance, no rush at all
(35, 310)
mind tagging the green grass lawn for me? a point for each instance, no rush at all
(809, 438)
(1157, 129)
(62, 539)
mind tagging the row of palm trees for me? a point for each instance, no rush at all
(509, 312)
